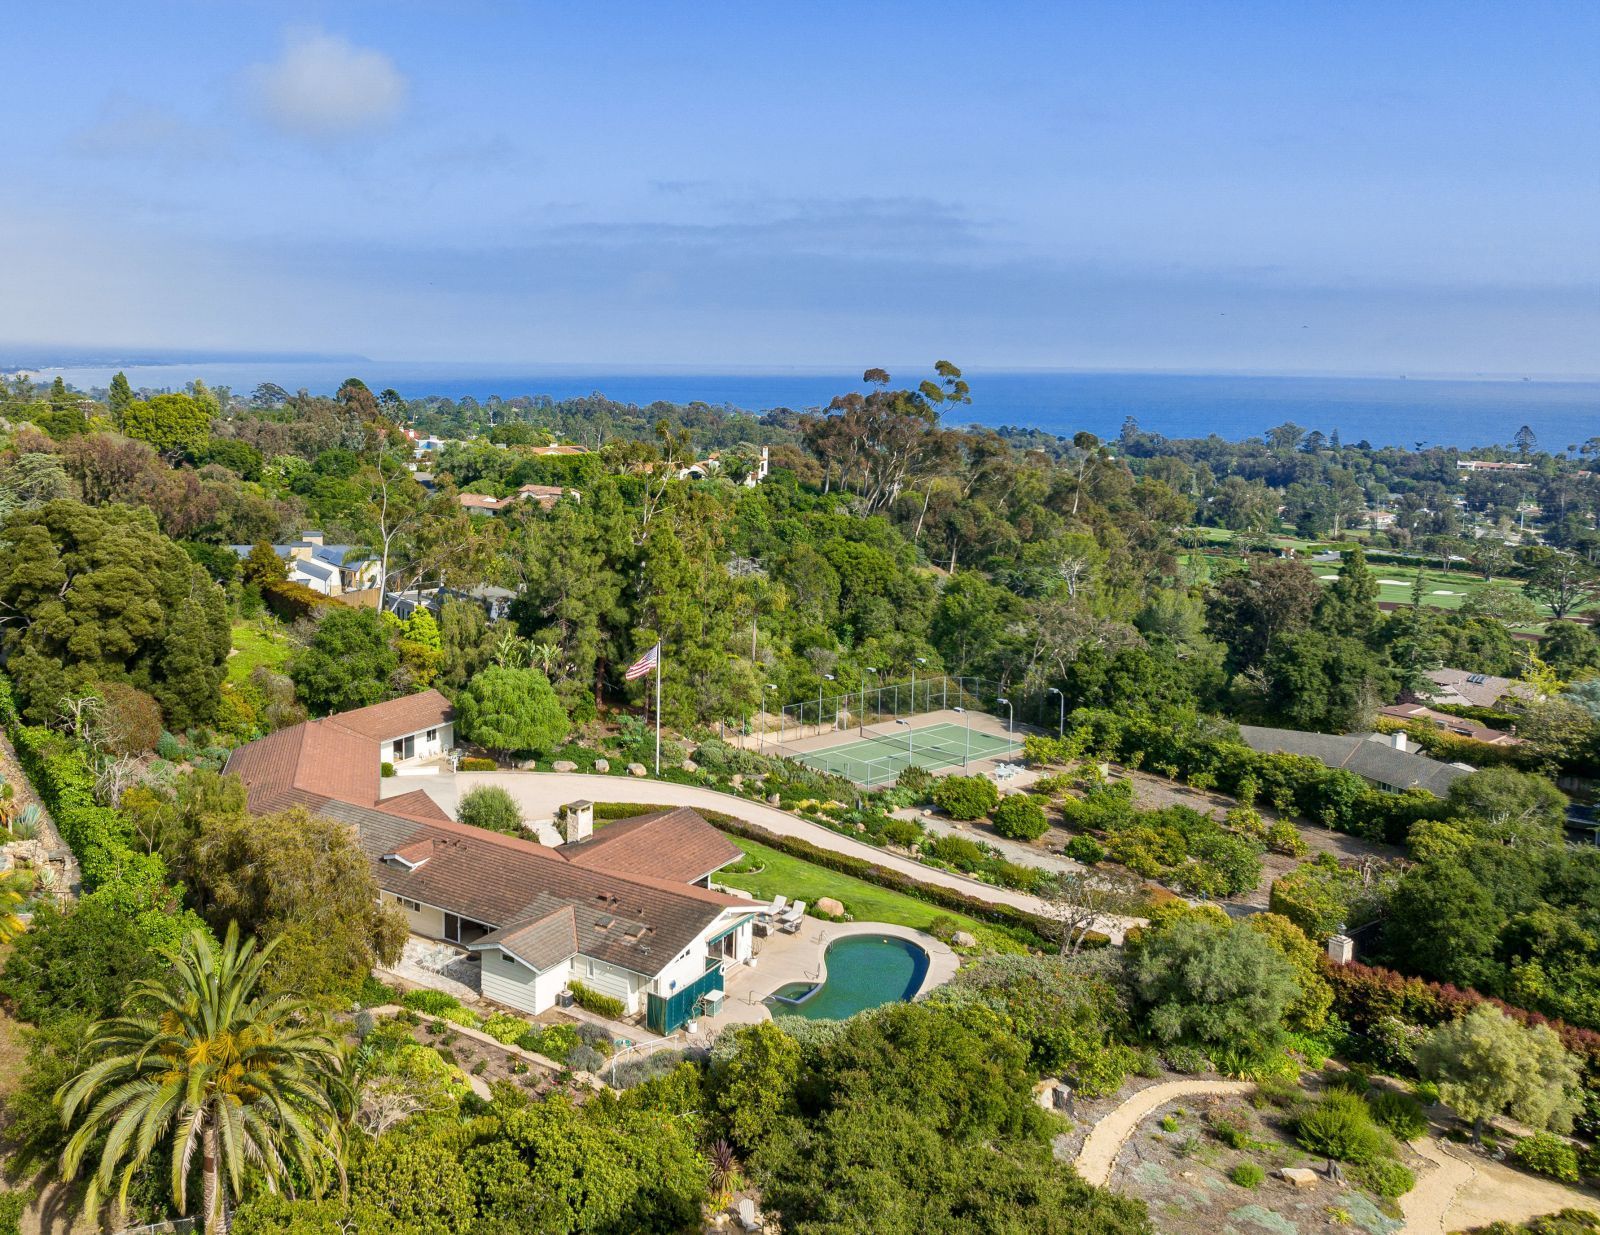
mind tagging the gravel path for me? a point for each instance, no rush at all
(1106, 1139)
(1465, 1190)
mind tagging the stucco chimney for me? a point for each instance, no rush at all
(577, 821)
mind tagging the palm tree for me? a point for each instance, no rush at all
(205, 1061)
(14, 889)
(545, 657)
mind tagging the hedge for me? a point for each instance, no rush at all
(1335, 798)
(1030, 928)
(98, 836)
(594, 1001)
(1453, 748)
(293, 601)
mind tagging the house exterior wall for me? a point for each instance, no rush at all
(423, 747)
(611, 980)
(507, 980)
(425, 920)
(326, 587)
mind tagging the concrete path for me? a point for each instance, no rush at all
(1106, 1139)
(540, 794)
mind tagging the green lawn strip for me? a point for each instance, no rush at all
(252, 646)
(782, 874)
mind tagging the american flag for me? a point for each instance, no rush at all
(644, 664)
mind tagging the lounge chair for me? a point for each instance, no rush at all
(749, 1219)
(794, 919)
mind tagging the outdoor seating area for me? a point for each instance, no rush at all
(782, 916)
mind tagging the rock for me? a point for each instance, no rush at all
(602, 765)
(564, 765)
(861, 827)
(773, 799)
(827, 905)
(689, 765)
(528, 765)
(963, 939)
(737, 780)
(1299, 1176)
(636, 769)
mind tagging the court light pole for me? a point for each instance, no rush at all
(861, 721)
(967, 752)
(762, 734)
(826, 677)
(918, 660)
(1061, 724)
(911, 752)
(1010, 714)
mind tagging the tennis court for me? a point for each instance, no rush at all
(878, 758)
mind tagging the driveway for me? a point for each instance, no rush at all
(541, 794)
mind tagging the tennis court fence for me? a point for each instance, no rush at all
(874, 702)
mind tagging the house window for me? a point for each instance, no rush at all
(433, 735)
(414, 906)
(404, 748)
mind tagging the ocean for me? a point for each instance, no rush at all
(1382, 411)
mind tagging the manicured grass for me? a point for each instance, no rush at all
(261, 642)
(781, 874)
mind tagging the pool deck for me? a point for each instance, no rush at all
(798, 958)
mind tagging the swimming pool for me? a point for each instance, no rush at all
(862, 971)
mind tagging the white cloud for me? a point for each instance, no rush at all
(324, 87)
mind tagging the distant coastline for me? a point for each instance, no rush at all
(1383, 411)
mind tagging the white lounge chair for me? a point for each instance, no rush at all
(749, 1219)
(794, 919)
(778, 902)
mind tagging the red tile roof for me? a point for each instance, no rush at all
(397, 718)
(306, 765)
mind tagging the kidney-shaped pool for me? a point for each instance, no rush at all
(862, 971)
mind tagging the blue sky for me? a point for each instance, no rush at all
(1285, 187)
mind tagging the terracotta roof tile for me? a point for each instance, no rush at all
(677, 845)
(396, 718)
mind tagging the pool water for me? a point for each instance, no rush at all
(862, 972)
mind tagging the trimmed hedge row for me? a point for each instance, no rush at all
(1453, 748)
(1030, 928)
(1335, 798)
(99, 837)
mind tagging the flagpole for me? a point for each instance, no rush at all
(658, 709)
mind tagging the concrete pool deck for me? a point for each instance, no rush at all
(799, 958)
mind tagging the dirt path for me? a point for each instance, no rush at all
(1105, 1141)
(1465, 1190)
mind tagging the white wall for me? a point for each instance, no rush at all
(611, 980)
(426, 921)
(507, 980)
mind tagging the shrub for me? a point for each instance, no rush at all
(386, 769)
(594, 1001)
(966, 797)
(433, 1003)
(902, 832)
(490, 807)
(12, 1205)
(1231, 1134)
(1248, 1175)
(1085, 849)
(1547, 1154)
(1400, 1113)
(916, 781)
(597, 1036)
(130, 720)
(1386, 1177)
(505, 1028)
(585, 1059)
(1190, 1060)
(471, 763)
(374, 994)
(1020, 817)
(1339, 1126)
(169, 748)
(943, 927)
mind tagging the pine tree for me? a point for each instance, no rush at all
(119, 397)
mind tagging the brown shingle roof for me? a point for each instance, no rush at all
(307, 764)
(675, 844)
(397, 718)
(415, 805)
(539, 944)
(636, 921)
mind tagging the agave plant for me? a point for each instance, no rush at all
(25, 823)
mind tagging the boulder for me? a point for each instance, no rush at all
(689, 765)
(827, 905)
(527, 765)
(773, 799)
(636, 769)
(963, 939)
(737, 780)
(564, 765)
(602, 765)
(1299, 1176)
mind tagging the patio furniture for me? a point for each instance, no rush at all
(794, 919)
(749, 1219)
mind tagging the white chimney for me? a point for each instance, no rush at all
(1341, 949)
(577, 821)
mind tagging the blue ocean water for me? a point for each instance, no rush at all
(1382, 411)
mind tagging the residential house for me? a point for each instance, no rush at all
(329, 569)
(494, 601)
(556, 450)
(701, 469)
(1385, 761)
(1460, 688)
(627, 911)
(1451, 724)
(546, 495)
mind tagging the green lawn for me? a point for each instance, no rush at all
(781, 874)
(260, 642)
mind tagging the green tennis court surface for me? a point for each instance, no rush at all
(878, 758)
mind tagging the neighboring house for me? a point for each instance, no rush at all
(1384, 761)
(627, 911)
(1490, 465)
(556, 449)
(494, 601)
(711, 464)
(1459, 688)
(329, 569)
(546, 495)
(1451, 724)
